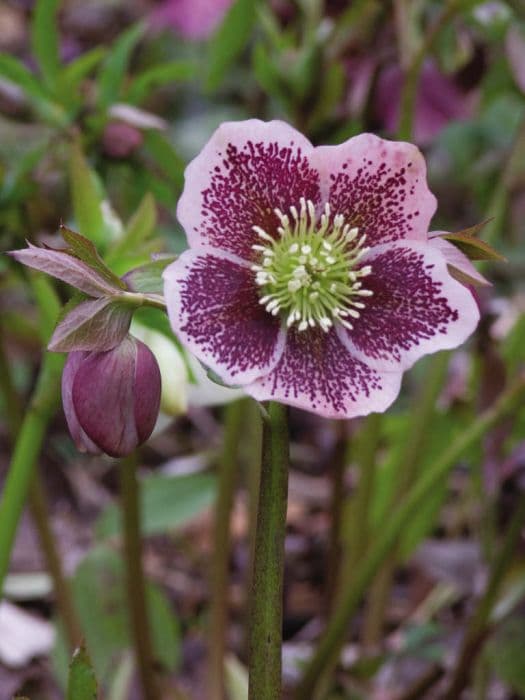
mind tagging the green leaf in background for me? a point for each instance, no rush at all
(505, 653)
(82, 683)
(100, 598)
(45, 40)
(87, 198)
(167, 503)
(113, 71)
(165, 156)
(148, 277)
(157, 76)
(72, 75)
(139, 230)
(229, 40)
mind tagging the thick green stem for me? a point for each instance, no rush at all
(267, 601)
(479, 622)
(135, 582)
(28, 443)
(228, 471)
(386, 540)
(406, 473)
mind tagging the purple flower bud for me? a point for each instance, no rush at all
(111, 399)
(121, 140)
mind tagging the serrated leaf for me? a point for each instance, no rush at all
(167, 503)
(67, 268)
(98, 324)
(474, 248)
(87, 199)
(44, 39)
(114, 69)
(157, 76)
(84, 249)
(81, 684)
(229, 40)
(148, 278)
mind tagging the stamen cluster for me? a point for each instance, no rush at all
(310, 271)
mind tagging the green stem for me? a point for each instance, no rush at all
(480, 620)
(228, 470)
(337, 472)
(27, 447)
(406, 473)
(334, 636)
(267, 600)
(410, 85)
(65, 604)
(135, 582)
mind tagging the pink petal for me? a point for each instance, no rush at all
(379, 186)
(81, 440)
(317, 373)
(213, 306)
(245, 170)
(457, 260)
(417, 307)
(193, 19)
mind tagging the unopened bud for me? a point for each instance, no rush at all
(111, 399)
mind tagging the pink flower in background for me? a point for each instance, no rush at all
(310, 278)
(193, 19)
(438, 102)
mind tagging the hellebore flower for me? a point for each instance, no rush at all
(111, 399)
(310, 278)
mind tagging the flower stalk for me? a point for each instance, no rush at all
(228, 471)
(334, 636)
(135, 581)
(267, 591)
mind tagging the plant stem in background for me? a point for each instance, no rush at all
(135, 582)
(410, 84)
(405, 474)
(42, 407)
(337, 473)
(65, 604)
(267, 599)
(228, 469)
(479, 623)
(386, 540)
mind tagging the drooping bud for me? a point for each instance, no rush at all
(111, 399)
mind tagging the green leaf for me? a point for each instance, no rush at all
(148, 278)
(229, 41)
(157, 76)
(45, 40)
(99, 593)
(138, 230)
(165, 156)
(114, 69)
(83, 249)
(474, 248)
(82, 683)
(75, 72)
(505, 653)
(86, 196)
(167, 503)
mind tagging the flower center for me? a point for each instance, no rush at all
(310, 272)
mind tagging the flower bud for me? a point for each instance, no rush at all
(111, 399)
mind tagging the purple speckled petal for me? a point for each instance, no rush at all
(245, 170)
(146, 391)
(317, 373)
(379, 186)
(417, 307)
(81, 440)
(213, 306)
(103, 398)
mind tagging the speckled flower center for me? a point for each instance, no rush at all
(309, 273)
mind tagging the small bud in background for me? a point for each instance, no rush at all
(121, 140)
(111, 399)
